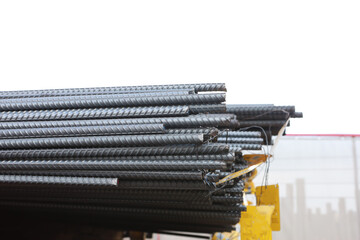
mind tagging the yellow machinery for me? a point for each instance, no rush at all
(263, 216)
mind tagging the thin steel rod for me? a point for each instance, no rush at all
(102, 141)
(69, 103)
(30, 95)
(114, 152)
(130, 175)
(245, 146)
(201, 87)
(247, 134)
(101, 96)
(58, 180)
(169, 122)
(82, 131)
(206, 131)
(112, 165)
(94, 113)
(240, 140)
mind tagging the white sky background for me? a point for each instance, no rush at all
(305, 53)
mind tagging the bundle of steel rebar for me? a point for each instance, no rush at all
(145, 157)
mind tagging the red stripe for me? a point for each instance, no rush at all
(323, 135)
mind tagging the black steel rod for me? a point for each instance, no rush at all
(201, 87)
(96, 113)
(169, 122)
(129, 175)
(82, 131)
(69, 103)
(100, 96)
(102, 141)
(58, 180)
(239, 140)
(113, 165)
(114, 152)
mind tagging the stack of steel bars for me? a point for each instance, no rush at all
(135, 157)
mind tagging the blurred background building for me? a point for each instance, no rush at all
(319, 186)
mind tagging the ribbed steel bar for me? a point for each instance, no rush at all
(246, 134)
(193, 185)
(129, 175)
(58, 180)
(235, 106)
(207, 108)
(245, 146)
(29, 95)
(120, 214)
(229, 190)
(240, 140)
(264, 123)
(266, 116)
(227, 199)
(69, 103)
(126, 211)
(101, 96)
(94, 113)
(14, 217)
(261, 112)
(201, 87)
(82, 131)
(169, 122)
(46, 191)
(113, 165)
(206, 131)
(213, 157)
(154, 204)
(102, 141)
(297, 115)
(114, 152)
(236, 148)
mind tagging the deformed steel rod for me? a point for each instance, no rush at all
(240, 140)
(31, 95)
(82, 131)
(244, 134)
(102, 141)
(201, 87)
(113, 165)
(245, 146)
(58, 180)
(101, 96)
(130, 175)
(96, 113)
(169, 122)
(213, 148)
(263, 123)
(69, 103)
(193, 185)
(206, 131)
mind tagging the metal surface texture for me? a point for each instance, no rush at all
(132, 175)
(102, 141)
(96, 113)
(112, 165)
(239, 140)
(162, 157)
(58, 180)
(169, 122)
(69, 103)
(114, 152)
(82, 131)
(201, 87)
(100, 96)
